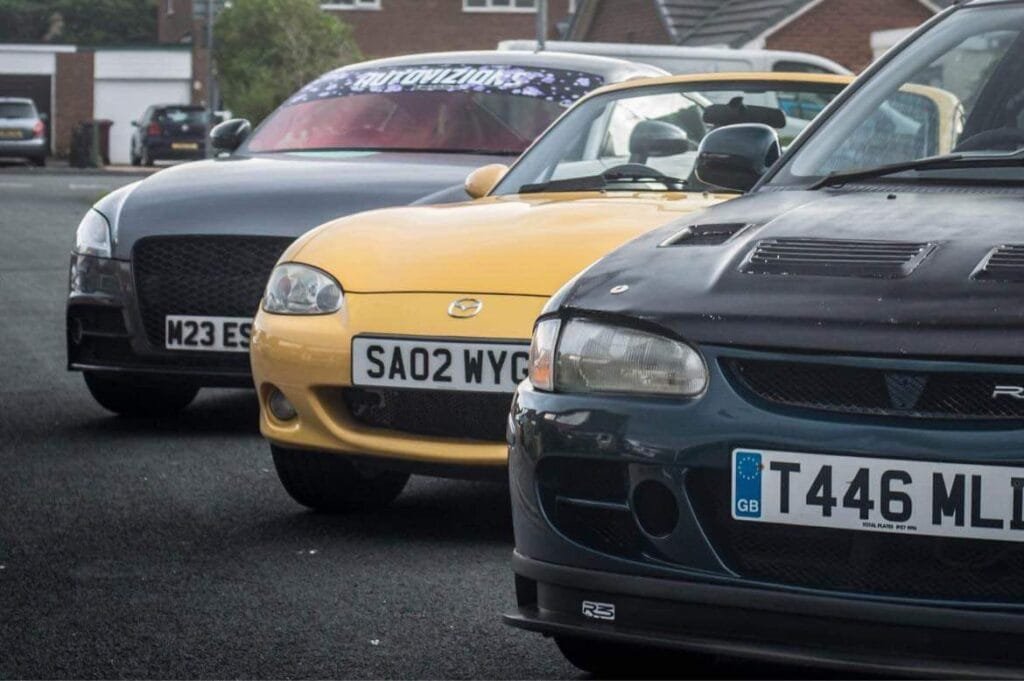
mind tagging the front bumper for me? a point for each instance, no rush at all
(308, 358)
(105, 333)
(713, 583)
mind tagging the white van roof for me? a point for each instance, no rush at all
(682, 59)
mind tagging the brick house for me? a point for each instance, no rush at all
(841, 30)
(385, 28)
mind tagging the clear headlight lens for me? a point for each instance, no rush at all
(301, 289)
(542, 354)
(592, 357)
(93, 235)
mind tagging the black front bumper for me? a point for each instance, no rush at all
(787, 628)
(106, 334)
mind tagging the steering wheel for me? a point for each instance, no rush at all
(1000, 139)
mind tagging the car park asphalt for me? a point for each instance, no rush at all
(168, 549)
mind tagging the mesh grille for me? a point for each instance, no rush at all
(853, 561)
(472, 416)
(877, 392)
(210, 275)
(836, 257)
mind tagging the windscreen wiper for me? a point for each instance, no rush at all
(944, 162)
(621, 174)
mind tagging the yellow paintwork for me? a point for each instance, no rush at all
(400, 269)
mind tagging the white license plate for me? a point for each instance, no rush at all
(879, 495)
(438, 365)
(211, 334)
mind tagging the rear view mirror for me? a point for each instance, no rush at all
(737, 156)
(736, 112)
(657, 138)
(482, 180)
(229, 135)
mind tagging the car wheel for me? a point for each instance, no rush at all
(126, 397)
(332, 483)
(146, 159)
(136, 161)
(618, 660)
(39, 162)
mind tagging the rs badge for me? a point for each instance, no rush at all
(599, 611)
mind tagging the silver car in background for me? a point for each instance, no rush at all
(22, 130)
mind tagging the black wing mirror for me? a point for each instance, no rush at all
(737, 156)
(229, 135)
(657, 138)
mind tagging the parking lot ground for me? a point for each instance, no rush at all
(167, 548)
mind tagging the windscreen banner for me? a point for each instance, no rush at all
(553, 85)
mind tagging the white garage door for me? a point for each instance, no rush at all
(124, 101)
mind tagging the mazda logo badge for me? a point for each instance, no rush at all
(464, 308)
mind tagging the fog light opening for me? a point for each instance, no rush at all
(280, 407)
(77, 331)
(655, 508)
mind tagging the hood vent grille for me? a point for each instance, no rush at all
(836, 258)
(706, 235)
(1005, 263)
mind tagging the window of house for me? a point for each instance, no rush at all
(499, 5)
(351, 4)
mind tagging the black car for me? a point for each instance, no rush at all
(169, 133)
(190, 248)
(789, 428)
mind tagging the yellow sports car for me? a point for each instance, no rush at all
(390, 342)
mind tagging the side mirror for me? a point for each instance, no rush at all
(482, 180)
(737, 156)
(45, 118)
(657, 138)
(229, 135)
(135, 124)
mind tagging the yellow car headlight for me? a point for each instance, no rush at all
(301, 290)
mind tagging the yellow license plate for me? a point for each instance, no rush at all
(10, 134)
(182, 146)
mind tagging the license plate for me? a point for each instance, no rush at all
(184, 146)
(10, 134)
(878, 495)
(210, 334)
(438, 365)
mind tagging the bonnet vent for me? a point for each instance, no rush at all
(706, 235)
(836, 258)
(1005, 263)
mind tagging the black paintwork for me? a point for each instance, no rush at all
(939, 310)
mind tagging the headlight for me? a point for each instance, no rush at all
(301, 289)
(93, 235)
(591, 357)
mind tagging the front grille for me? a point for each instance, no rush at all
(856, 561)
(470, 416)
(880, 392)
(220, 276)
(836, 257)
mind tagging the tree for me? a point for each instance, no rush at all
(78, 22)
(267, 49)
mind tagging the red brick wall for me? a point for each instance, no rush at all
(841, 29)
(173, 27)
(409, 26)
(627, 21)
(74, 96)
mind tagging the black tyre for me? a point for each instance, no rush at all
(39, 161)
(618, 660)
(127, 397)
(146, 159)
(332, 483)
(136, 161)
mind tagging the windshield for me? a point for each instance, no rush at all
(17, 110)
(489, 109)
(189, 116)
(958, 89)
(658, 128)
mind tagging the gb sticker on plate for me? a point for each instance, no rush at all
(746, 496)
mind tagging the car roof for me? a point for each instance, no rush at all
(17, 100)
(739, 76)
(611, 69)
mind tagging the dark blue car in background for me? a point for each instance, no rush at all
(790, 428)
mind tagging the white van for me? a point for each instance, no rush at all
(679, 59)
